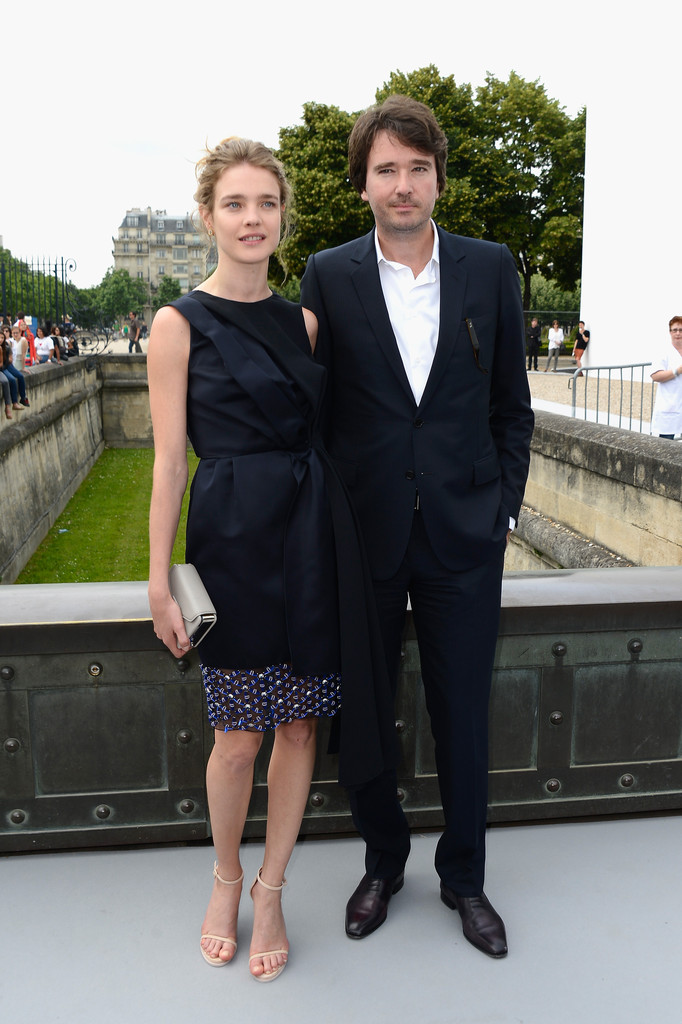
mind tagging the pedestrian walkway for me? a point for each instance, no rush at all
(112, 936)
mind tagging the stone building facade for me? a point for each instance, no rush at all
(151, 245)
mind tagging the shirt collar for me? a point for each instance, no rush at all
(435, 255)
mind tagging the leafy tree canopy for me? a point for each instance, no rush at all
(515, 172)
(118, 294)
(168, 290)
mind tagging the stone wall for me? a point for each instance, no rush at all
(596, 496)
(599, 496)
(46, 452)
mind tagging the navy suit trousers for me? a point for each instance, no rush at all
(456, 617)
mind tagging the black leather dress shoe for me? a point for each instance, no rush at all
(367, 908)
(481, 924)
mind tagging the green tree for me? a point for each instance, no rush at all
(168, 290)
(118, 294)
(530, 177)
(515, 173)
(327, 209)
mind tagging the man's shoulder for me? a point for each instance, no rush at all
(469, 246)
(356, 249)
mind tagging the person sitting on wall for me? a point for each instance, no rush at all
(44, 346)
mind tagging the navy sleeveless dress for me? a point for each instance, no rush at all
(274, 538)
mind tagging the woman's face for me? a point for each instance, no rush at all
(676, 336)
(39, 332)
(247, 214)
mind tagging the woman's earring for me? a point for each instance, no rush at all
(210, 232)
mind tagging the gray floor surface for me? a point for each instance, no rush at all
(592, 913)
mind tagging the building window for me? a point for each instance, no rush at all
(139, 261)
(180, 224)
(159, 225)
(125, 247)
(140, 275)
(160, 254)
(180, 269)
(160, 239)
(180, 253)
(184, 284)
(196, 269)
(161, 270)
(140, 247)
(132, 222)
(179, 239)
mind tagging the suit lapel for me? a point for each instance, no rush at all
(453, 282)
(365, 277)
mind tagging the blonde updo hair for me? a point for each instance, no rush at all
(231, 152)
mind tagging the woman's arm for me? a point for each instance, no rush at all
(167, 361)
(663, 376)
(311, 327)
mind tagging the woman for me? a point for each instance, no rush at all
(581, 342)
(555, 339)
(10, 380)
(667, 372)
(44, 346)
(13, 358)
(231, 365)
(58, 342)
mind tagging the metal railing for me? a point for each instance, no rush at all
(617, 393)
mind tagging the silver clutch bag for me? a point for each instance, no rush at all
(196, 606)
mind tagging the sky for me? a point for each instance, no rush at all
(110, 108)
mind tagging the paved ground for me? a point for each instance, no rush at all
(592, 912)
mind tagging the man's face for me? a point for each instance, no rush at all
(401, 186)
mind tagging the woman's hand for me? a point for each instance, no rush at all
(169, 625)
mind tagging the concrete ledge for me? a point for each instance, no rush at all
(585, 710)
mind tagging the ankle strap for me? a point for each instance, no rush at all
(226, 881)
(272, 888)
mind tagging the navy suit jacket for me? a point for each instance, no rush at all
(465, 446)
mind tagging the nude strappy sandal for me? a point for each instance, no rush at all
(271, 975)
(216, 961)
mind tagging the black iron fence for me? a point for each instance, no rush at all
(38, 287)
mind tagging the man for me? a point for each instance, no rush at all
(134, 335)
(430, 424)
(533, 343)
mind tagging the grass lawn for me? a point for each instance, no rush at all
(103, 534)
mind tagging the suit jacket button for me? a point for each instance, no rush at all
(419, 423)
(409, 475)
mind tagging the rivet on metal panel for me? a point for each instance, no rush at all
(12, 745)
(7, 673)
(17, 817)
(556, 718)
(635, 646)
(317, 800)
(95, 669)
(399, 726)
(182, 664)
(185, 736)
(627, 780)
(187, 806)
(401, 794)
(102, 811)
(553, 786)
(559, 650)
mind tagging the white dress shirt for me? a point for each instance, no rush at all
(413, 305)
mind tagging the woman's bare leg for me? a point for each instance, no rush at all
(229, 781)
(289, 775)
